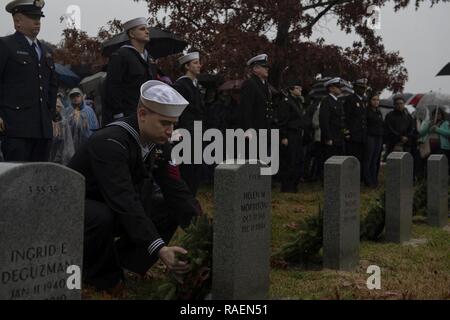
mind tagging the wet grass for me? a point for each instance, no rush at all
(417, 271)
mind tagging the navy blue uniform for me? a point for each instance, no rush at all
(256, 105)
(191, 173)
(122, 202)
(332, 126)
(356, 122)
(127, 72)
(292, 122)
(28, 90)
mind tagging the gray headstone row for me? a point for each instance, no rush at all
(42, 206)
(342, 202)
(437, 193)
(399, 197)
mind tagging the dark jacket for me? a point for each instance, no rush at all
(291, 116)
(375, 123)
(332, 121)
(28, 89)
(255, 105)
(195, 110)
(117, 174)
(355, 117)
(397, 125)
(127, 72)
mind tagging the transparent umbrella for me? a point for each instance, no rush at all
(434, 99)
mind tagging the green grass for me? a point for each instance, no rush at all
(407, 272)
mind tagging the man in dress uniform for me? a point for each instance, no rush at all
(121, 164)
(28, 86)
(292, 123)
(188, 87)
(355, 109)
(256, 109)
(332, 121)
(256, 98)
(128, 68)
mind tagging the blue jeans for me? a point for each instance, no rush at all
(372, 156)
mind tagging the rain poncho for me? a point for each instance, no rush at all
(78, 124)
(90, 116)
(62, 149)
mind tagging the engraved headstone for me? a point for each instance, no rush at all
(399, 197)
(437, 184)
(41, 230)
(242, 233)
(341, 213)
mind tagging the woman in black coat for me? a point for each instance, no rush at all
(374, 144)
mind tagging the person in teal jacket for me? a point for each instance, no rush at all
(437, 132)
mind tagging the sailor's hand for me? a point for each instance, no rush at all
(2, 125)
(285, 142)
(168, 255)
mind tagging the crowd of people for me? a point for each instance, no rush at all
(136, 196)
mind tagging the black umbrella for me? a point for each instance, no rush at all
(445, 71)
(210, 80)
(93, 83)
(162, 43)
(66, 75)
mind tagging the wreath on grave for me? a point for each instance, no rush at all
(420, 199)
(372, 225)
(196, 284)
(308, 239)
(306, 243)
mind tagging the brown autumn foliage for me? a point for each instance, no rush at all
(83, 52)
(229, 32)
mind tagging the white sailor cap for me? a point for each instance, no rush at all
(162, 99)
(188, 58)
(334, 81)
(134, 23)
(27, 7)
(261, 59)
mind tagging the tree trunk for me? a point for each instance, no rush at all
(282, 51)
